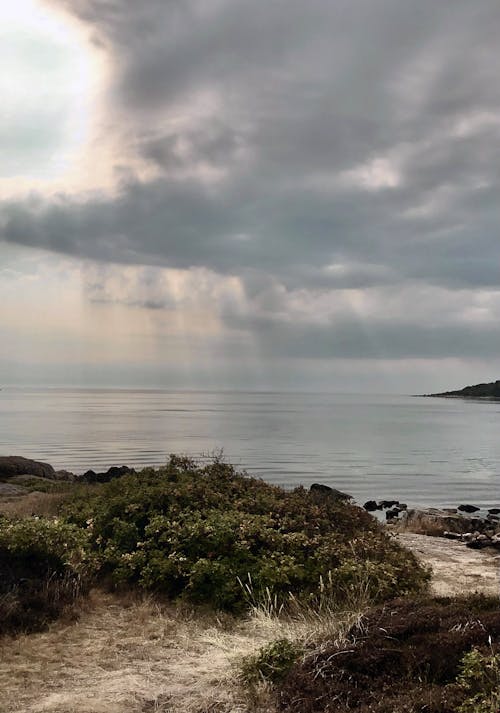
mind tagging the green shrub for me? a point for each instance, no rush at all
(44, 566)
(271, 663)
(480, 678)
(201, 531)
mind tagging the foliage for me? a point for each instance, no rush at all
(480, 678)
(200, 531)
(404, 656)
(44, 567)
(271, 663)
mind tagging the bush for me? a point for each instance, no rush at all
(271, 663)
(44, 566)
(480, 679)
(201, 531)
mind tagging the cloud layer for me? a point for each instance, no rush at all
(336, 164)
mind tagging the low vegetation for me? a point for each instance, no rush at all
(212, 535)
(409, 656)
(45, 566)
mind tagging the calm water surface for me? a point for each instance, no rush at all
(417, 450)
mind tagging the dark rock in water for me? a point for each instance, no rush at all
(392, 514)
(321, 489)
(16, 465)
(468, 508)
(114, 472)
(494, 511)
(384, 504)
(89, 477)
(371, 505)
(403, 506)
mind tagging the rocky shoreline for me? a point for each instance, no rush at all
(466, 523)
(16, 470)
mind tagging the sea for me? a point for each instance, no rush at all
(421, 451)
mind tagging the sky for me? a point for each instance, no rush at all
(250, 194)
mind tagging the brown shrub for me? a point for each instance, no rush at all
(403, 656)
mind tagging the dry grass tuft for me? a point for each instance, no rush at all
(34, 503)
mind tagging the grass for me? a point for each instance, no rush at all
(33, 504)
(134, 652)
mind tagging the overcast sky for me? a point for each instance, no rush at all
(288, 194)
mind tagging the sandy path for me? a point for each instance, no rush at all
(133, 657)
(456, 568)
(116, 659)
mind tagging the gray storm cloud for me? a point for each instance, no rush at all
(319, 146)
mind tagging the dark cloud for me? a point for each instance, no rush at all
(314, 145)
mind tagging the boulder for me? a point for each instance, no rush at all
(65, 475)
(384, 504)
(468, 508)
(114, 472)
(17, 465)
(479, 541)
(392, 514)
(371, 506)
(321, 489)
(452, 535)
(494, 511)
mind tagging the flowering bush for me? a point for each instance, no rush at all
(44, 565)
(201, 531)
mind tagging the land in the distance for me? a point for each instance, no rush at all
(490, 392)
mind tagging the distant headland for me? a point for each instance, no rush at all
(489, 392)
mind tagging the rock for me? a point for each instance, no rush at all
(478, 542)
(452, 535)
(90, 476)
(17, 465)
(392, 514)
(321, 489)
(494, 511)
(468, 508)
(384, 504)
(451, 511)
(114, 472)
(434, 519)
(371, 506)
(65, 475)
